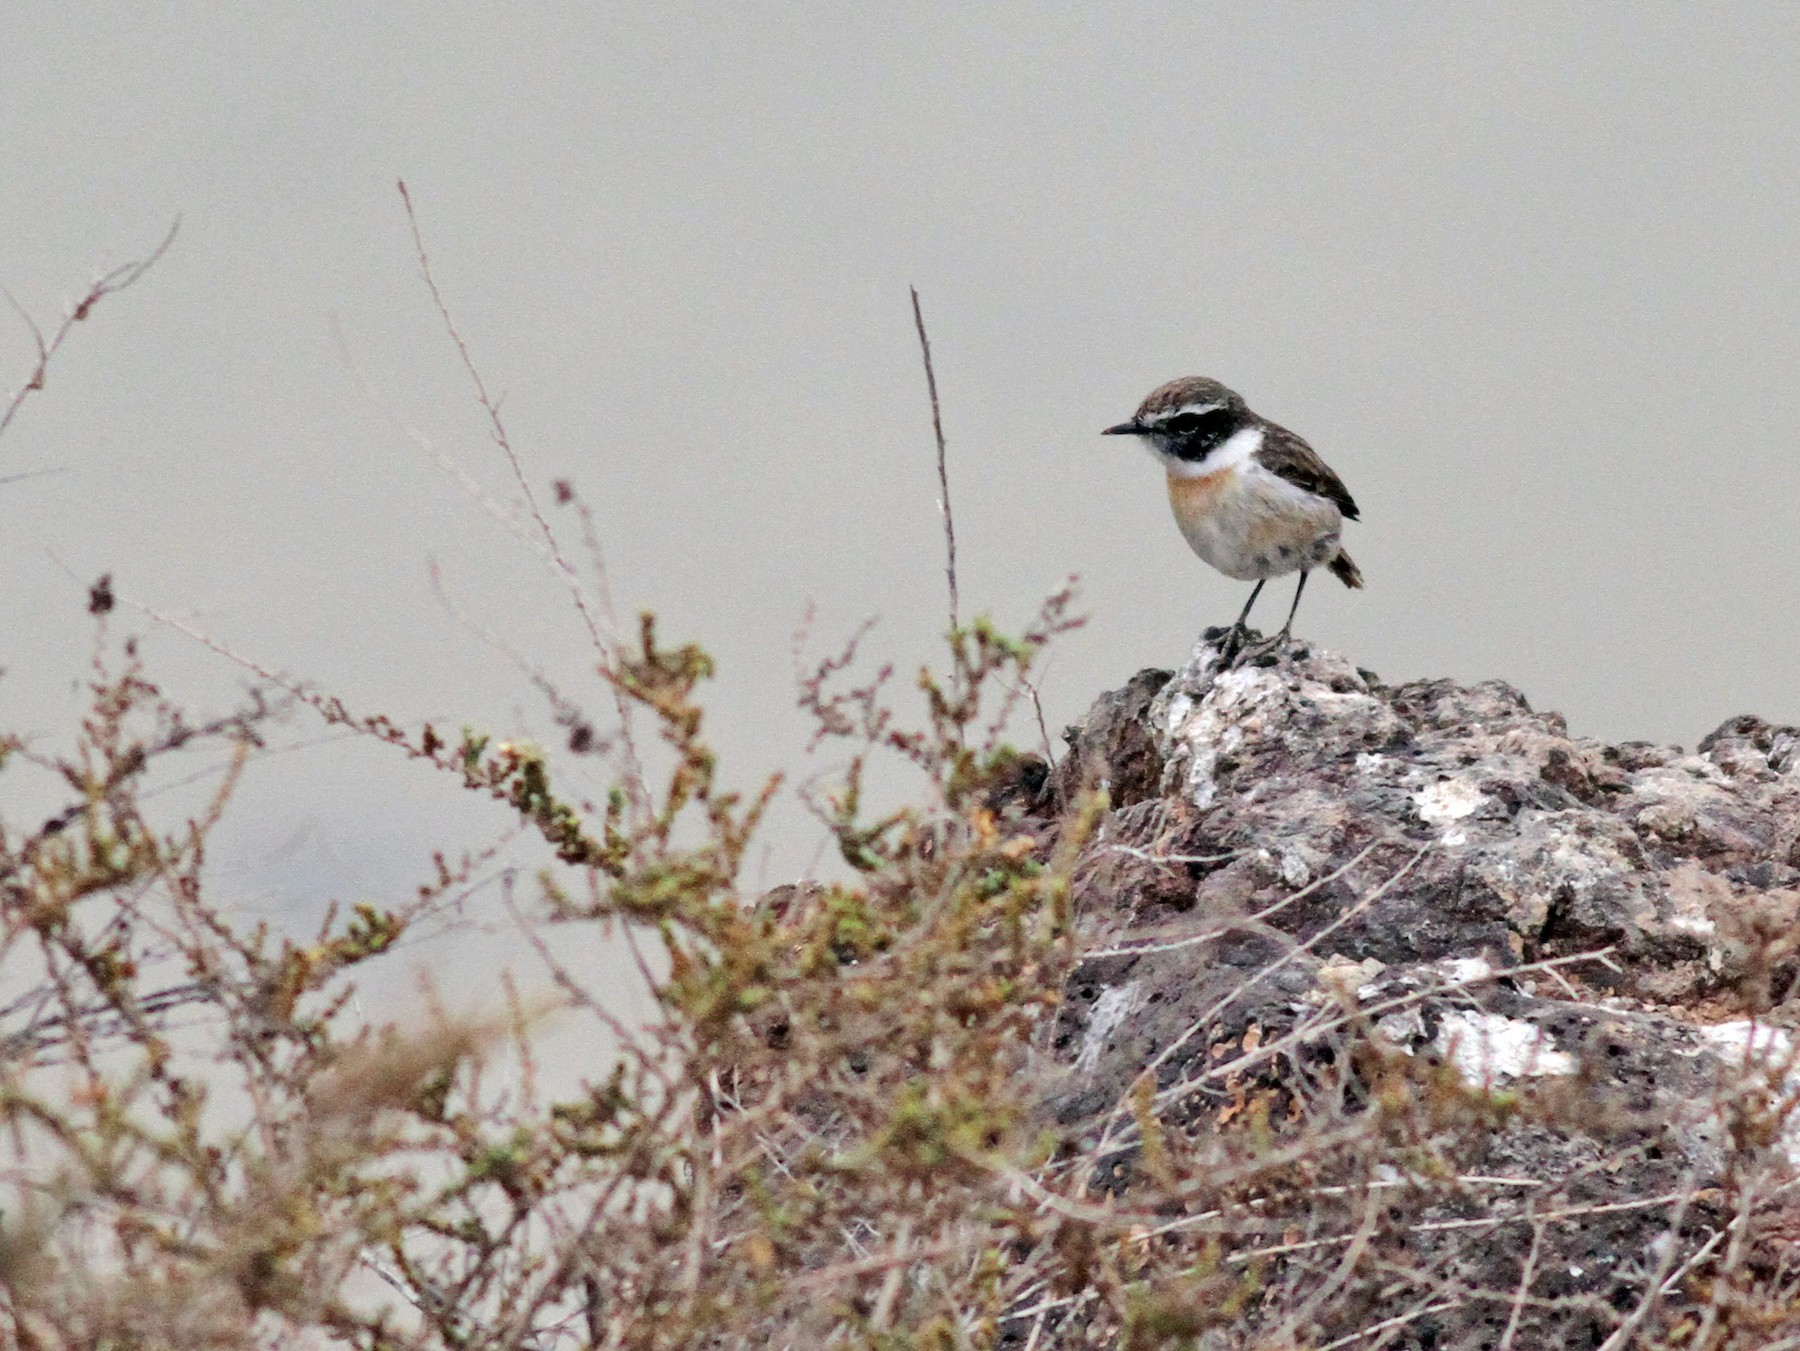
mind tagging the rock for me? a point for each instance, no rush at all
(1114, 747)
(1433, 884)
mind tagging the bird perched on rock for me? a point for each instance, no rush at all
(1251, 498)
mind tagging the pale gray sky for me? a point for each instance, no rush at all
(1528, 275)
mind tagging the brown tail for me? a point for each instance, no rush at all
(1345, 571)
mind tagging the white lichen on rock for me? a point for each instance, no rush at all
(1488, 1049)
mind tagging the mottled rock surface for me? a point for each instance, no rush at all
(1308, 874)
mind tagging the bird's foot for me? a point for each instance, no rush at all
(1233, 644)
(1267, 651)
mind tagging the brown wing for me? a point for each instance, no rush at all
(1286, 455)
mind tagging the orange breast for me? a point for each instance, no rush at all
(1195, 499)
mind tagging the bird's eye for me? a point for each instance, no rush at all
(1186, 424)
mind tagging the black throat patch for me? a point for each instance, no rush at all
(1191, 437)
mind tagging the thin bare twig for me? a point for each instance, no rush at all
(597, 619)
(32, 473)
(1522, 1291)
(1212, 935)
(604, 642)
(937, 427)
(1310, 1031)
(1674, 1198)
(1398, 1320)
(108, 283)
(1654, 1293)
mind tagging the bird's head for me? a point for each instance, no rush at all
(1185, 420)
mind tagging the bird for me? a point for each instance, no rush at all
(1251, 497)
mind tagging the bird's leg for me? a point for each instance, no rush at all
(1287, 629)
(1280, 640)
(1234, 641)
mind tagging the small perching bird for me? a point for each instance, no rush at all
(1251, 498)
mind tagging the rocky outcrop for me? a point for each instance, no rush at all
(1314, 889)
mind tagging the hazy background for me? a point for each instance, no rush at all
(1528, 275)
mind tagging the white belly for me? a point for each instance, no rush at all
(1248, 523)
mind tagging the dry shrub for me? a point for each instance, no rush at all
(207, 1148)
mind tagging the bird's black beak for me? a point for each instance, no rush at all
(1124, 429)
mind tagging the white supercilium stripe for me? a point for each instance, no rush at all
(1163, 417)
